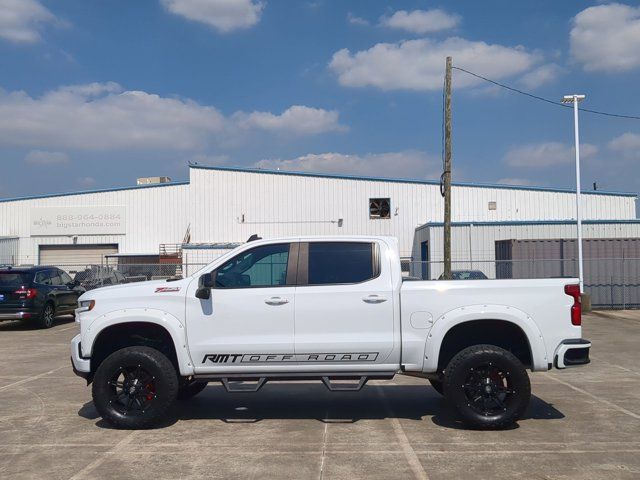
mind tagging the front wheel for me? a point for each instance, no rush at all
(134, 387)
(488, 386)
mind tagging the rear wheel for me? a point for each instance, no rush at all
(46, 317)
(135, 387)
(488, 386)
(190, 390)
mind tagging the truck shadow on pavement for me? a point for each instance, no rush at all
(26, 325)
(284, 401)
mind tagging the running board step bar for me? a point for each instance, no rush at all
(234, 386)
(344, 387)
(335, 382)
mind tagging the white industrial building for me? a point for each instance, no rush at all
(221, 206)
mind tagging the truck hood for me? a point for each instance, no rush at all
(139, 289)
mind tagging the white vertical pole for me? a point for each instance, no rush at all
(578, 198)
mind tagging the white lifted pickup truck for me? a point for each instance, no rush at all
(334, 309)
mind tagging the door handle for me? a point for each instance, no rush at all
(374, 299)
(276, 301)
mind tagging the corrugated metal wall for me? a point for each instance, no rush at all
(154, 215)
(473, 246)
(232, 205)
(8, 250)
(611, 266)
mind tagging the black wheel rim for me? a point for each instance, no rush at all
(489, 389)
(133, 390)
(48, 315)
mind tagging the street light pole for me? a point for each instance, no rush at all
(576, 99)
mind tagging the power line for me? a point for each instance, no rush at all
(542, 99)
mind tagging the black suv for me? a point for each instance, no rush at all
(37, 293)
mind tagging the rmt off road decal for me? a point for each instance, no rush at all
(287, 358)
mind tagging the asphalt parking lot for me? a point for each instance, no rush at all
(582, 423)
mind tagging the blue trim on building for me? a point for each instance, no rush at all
(405, 180)
(533, 222)
(83, 192)
(210, 246)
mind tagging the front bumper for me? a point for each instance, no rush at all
(572, 353)
(81, 366)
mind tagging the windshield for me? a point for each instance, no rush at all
(12, 279)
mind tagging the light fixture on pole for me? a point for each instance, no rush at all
(576, 99)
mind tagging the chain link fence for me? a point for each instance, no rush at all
(613, 283)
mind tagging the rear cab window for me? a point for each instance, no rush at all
(342, 262)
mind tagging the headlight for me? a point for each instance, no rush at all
(85, 305)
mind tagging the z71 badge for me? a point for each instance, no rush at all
(167, 289)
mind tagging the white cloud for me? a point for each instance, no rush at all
(297, 119)
(606, 38)
(103, 116)
(223, 15)
(41, 157)
(421, 21)
(419, 64)
(627, 145)
(522, 182)
(546, 154)
(354, 20)
(406, 164)
(20, 20)
(541, 75)
(86, 181)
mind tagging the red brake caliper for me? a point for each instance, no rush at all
(151, 391)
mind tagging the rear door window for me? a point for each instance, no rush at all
(55, 277)
(65, 278)
(341, 262)
(43, 277)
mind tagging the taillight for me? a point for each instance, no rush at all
(26, 293)
(576, 308)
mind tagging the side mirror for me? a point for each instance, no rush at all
(205, 284)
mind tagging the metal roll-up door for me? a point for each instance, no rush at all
(75, 257)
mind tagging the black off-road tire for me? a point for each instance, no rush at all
(190, 389)
(159, 382)
(47, 316)
(437, 385)
(477, 369)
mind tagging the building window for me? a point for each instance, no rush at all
(493, 205)
(379, 208)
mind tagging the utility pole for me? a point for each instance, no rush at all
(447, 171)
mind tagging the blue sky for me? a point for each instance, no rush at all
(94, 94)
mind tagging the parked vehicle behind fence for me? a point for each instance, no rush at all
(97, 276)
(466, 275)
